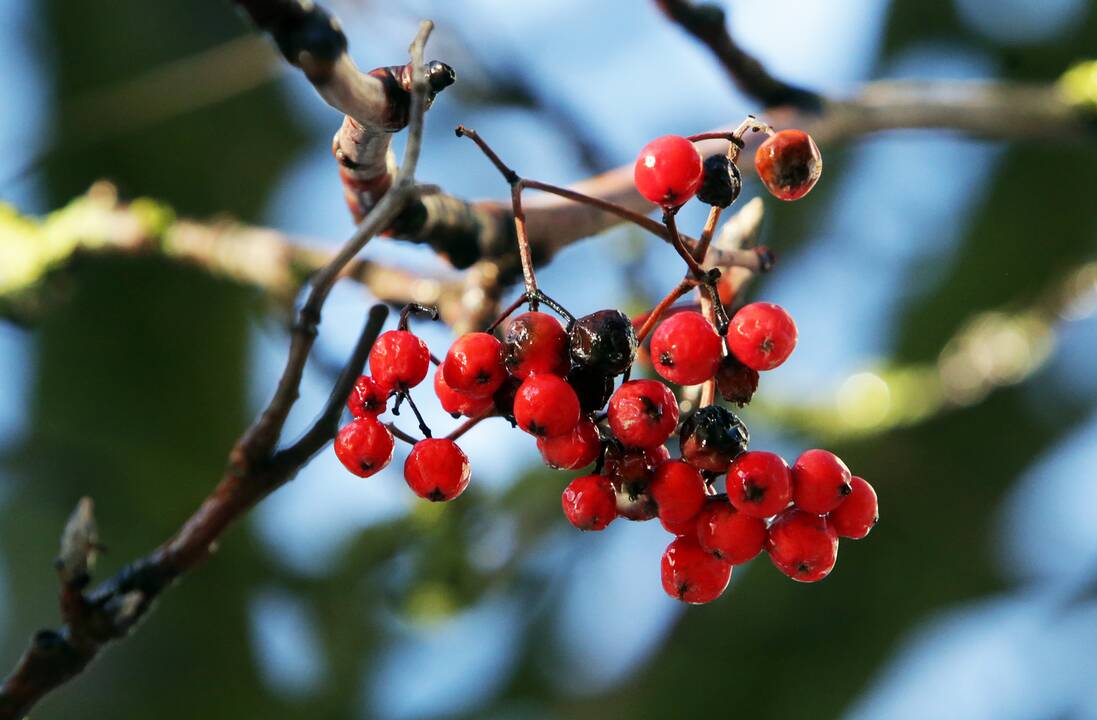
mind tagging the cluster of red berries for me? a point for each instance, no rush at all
(558, 385)
(670, 171)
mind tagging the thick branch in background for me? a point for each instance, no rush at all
(707, 23)
(255, 468)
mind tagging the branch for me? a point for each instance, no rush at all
(255, 469)
(707, 23)
(97, 223)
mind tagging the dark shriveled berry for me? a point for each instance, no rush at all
(603, 341)
(504, 397)
(592, 387)
(735, 381)
(721, 183)
(712, 437)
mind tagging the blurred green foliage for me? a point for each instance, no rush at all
(140, 386)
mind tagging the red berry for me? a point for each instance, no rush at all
(368, 398)
(399, 360)
(590, 502)
(536, 343)
(643, 413)
(686, 349)
(736, 382)
(678, 491)
(684, 527)
(668, 171)
(572, 450)
(692, 575)
(459, 403)
(820, 481)
(759, 484)
(437, 470)
(762, 335)
(802, 545)
(789, 164)
(364, 446)
(728, 534)
(712, 437)
(546, 406)
(858, 513)
(474, 365)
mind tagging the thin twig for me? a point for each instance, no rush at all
(672, 297)
(470, 424)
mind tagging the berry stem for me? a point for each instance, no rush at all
(507, 313)
(556, 307)
(400, 434)
(676, 241)
(735, 146)
(638, 219)
(423, 427)
(417, 309)
(672, 297)
(470, 424)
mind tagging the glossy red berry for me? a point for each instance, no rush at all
(712, 437)
(364, 446)
(536, 343)
(399, 360)
(735, 381)
(686, 349)
(546, 406)
(474, 365)
(437, 470)
(728, 534)
(590, 502)
(572, 450)
(367, 398)
(643, 413)
(459, 403)
(678, 491)
(858, 513)
(692, 575)
(789, 164)
(668, 171)
(762, 335)
(682, 527)
(820, 481)
(802, 545)
(759, 484)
